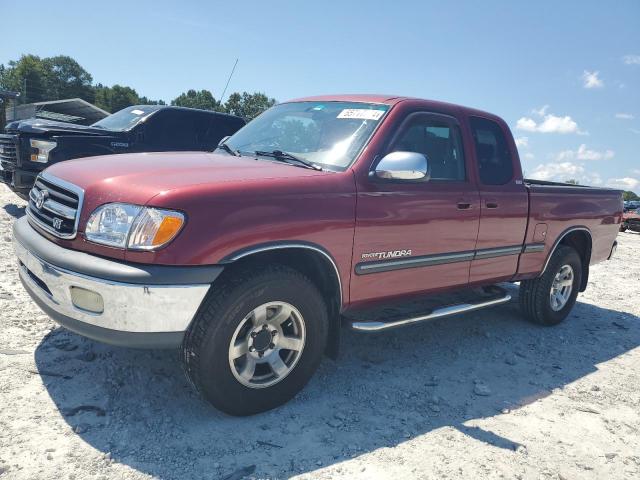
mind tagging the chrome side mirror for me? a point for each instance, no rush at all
(403, 166)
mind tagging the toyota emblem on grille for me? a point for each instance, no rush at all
(40, 196)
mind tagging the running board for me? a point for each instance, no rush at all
(377, 326)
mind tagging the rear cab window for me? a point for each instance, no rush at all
(495, 165)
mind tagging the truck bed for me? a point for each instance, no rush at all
(561, 207)
(571, 188)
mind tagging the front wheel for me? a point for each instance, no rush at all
(257, 339)
(548, 299)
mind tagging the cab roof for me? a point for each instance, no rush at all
(392, 100)
(356, 97)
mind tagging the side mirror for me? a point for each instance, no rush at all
(403, 166)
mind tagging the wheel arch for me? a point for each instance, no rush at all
(580, 239)
(309, 259)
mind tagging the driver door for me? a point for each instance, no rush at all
(412, 237)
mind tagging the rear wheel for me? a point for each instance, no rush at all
(548, 299)
(257, 340)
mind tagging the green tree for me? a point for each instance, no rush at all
(148, 101)
(248, 105)
(572, 181)
(115, 98)
(202, 99)
(65, 78)
(629, 195)
(60, 77)
(29, 76)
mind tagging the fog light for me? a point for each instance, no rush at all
(87, 300)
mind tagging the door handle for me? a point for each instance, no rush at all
(464, 205)
(491, 205)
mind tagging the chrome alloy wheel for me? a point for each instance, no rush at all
(267, 344)
(561, 288)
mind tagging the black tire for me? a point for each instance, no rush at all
(535, 301)
(206, 343)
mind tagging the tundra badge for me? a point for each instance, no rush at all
(383, 255)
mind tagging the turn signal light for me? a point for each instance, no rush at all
(168, 229)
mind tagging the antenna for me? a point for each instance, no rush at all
(228, 80)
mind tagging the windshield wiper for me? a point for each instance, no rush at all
(289, 158)
(228, 149)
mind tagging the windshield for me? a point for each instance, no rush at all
(330, 134)
(126, 119)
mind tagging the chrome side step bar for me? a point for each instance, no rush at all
(377, 326)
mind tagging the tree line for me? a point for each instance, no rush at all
(60, 77)
(629, 195)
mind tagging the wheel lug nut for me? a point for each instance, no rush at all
(253, 334)
(274, 333)
(272, 345)
(252, 348)
(260, 354)
(264, 327)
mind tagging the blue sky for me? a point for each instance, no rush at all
(565, 75)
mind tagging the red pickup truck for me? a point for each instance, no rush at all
(319, 213)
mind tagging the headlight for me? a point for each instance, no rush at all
(110, 224)
(132, 226)
(42, 149)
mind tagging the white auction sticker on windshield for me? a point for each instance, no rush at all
(361, 113)
(137, 112)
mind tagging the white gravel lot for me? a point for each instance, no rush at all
(486, 395)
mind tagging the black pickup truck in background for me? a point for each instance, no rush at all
(29, 146)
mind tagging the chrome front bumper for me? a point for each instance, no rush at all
(137, 315)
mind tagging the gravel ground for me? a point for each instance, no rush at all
(485, 395)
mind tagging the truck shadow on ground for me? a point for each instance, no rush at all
(384, 390)
(14, 210)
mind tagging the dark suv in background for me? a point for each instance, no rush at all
(29, 146)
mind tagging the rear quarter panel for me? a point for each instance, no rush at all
(563, 208)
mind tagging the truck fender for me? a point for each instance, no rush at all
(332, 291)
(585, 255)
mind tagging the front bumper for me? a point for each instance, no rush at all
(144, 306)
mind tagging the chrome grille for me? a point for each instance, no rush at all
(8, 151)
(54, 205)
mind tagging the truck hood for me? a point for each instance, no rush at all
(138, 177)
(50, 127)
